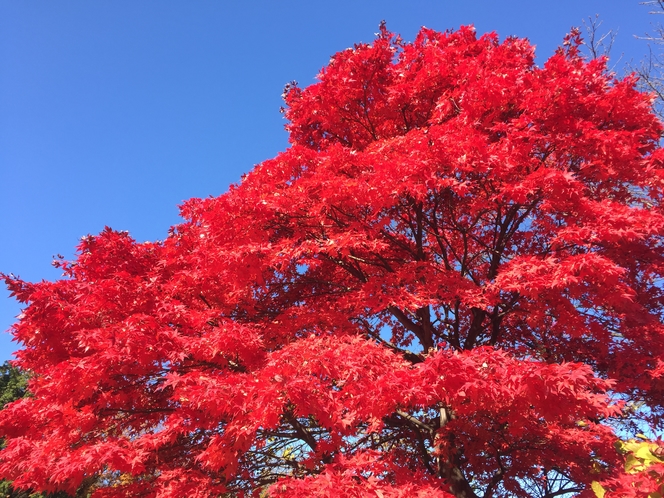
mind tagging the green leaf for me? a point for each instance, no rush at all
(598, 489)
(645, 454)
(633, 464)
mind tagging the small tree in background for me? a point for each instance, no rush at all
(449, 285)
(13, 384)
(651, 70)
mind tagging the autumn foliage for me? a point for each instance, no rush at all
(449, 285)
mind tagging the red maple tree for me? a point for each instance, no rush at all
(450, 284)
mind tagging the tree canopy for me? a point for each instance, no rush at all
(449, 285)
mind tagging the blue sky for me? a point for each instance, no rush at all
(114, 112)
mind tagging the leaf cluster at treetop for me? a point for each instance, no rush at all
(449, 285)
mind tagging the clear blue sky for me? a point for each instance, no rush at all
(113, 112)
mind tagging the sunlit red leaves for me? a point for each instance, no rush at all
(359, 476)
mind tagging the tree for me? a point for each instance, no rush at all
(12, 387)
(450, 284)
(13, 384)
(649, 71)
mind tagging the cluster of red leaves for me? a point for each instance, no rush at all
(449, 285)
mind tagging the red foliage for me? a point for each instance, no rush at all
(449, 285)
